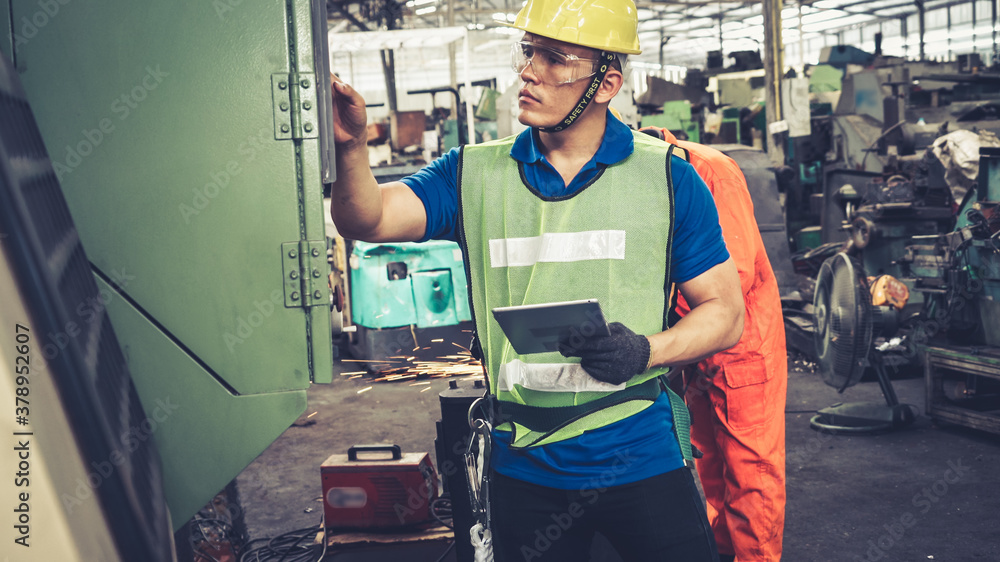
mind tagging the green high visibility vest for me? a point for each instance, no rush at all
(609, 241)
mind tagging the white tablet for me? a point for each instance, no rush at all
(538, 328)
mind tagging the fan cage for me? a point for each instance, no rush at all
(844, 321)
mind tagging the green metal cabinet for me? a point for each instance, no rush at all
(191, 143)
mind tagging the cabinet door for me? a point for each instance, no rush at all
(187, 139)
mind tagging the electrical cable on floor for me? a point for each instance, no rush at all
(285, 547)
(446, 551)
(291, 548)
(441, 511)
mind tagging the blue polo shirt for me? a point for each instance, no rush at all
(640, 446)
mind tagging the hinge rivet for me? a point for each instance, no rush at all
(295, 296)
(283, 106)
(282, 84)
(292, 253)
(307, 105)
(294, 275)
(308, 127)
(284, 128)
(315, 252)
(305, 83)
(317, 295)
(315, 273)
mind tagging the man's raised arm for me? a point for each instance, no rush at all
(362, 209)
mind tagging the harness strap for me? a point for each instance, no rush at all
(682, 420)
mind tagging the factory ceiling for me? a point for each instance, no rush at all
(678, 26)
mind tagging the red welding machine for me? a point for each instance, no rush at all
(376, 490)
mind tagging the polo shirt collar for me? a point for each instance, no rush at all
(616, 146)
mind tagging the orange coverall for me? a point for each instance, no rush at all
(737, 396)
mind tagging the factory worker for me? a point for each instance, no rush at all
(576, 207)
(737, 396)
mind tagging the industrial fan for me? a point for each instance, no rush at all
(847, 325)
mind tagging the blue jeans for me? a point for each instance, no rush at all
(660, 519)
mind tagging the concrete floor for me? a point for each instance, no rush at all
(890, 497)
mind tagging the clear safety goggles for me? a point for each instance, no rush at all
(549, 65)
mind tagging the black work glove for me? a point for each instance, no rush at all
(612, 359)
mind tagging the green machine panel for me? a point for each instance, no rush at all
(190, 140)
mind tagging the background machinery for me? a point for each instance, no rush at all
(847, 325)
(900, 195)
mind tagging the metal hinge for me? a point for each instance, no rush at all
(295, 112)
(304, 281)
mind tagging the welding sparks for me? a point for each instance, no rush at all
(365, 389)
(437, 340)
(364, 361)
(311, 415)
(399, 368)
(457, 365)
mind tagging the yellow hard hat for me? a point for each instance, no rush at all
(605, 25)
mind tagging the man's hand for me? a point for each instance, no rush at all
(612, 359)
(350, 118)
(360, 207)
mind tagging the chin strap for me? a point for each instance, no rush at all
(606, 59)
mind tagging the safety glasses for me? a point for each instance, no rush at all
(549, 65)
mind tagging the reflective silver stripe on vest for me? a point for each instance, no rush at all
(558, 247)
(550, 377)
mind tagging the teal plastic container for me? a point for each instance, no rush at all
(408, 284)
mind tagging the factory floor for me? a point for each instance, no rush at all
(928, 492)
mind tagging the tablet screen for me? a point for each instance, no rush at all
(538, 328)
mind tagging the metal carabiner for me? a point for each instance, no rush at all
(487, 433)
(477, 466)
(472, 408)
